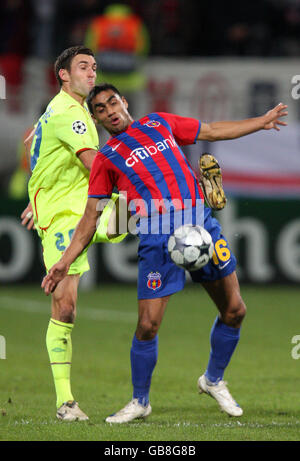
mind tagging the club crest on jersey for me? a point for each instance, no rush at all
(152, 123)
(154, 281)
(79, 127)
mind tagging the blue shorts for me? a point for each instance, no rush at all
(158, 276)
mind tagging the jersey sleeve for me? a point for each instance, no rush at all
(185, 129)
(74, 131)
(101, 181)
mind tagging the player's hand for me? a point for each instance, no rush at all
(54, 276)
(271, 118)
(27, 217)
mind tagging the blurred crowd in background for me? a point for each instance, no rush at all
(43, 28)
(37, 31)
(122, 33)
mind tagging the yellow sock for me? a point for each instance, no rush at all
(59, 346)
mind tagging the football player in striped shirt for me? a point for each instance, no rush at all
(143, 160)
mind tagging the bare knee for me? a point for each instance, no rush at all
(151, 312)
(64, 310)
(67, 314)
(147, 329)
(64, 299)
(234, 313)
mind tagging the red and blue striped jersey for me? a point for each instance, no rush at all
(146, 162)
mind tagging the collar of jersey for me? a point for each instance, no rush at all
(68, 96)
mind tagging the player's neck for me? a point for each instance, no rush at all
(79, 98)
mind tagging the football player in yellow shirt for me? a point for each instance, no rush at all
(62, 148)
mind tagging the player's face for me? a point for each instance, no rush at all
(110, 110)
(82, 75)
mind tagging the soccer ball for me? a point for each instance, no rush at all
(190, 247)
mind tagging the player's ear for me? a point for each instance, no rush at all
(124, 100)
(64, 75)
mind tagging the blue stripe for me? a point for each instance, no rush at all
(196, 183)
(175, 165)
(117, 160)
(99, 196)
(197, 132)
(169, 157)
(36, 151)
(149, 164)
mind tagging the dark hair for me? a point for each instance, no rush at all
(98, 89)
(65, 58)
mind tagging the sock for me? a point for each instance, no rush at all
(59, 346)
(223, 341)
(143, 356)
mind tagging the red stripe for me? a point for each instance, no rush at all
(36, 212)
(34, 201)
(183, 162)
(166, 170)
(266, 180)
(140, 170)
(122, 181)
(83, 149)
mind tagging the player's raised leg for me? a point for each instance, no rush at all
(224, 338)
(211, 182)
(59, 346)
(143, 356)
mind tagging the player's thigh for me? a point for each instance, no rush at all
(226, 295)
(57, 238)
(64, 298)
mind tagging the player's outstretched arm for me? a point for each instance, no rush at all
(82, 236)
(217, 131)
(271, 118)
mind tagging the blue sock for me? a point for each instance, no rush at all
(143, 356)
(223, 341)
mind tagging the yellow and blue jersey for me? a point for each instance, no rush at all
(59, 181)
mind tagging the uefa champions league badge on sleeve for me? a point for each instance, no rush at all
(79, 127)
(154, 281)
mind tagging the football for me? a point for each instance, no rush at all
(190, 247)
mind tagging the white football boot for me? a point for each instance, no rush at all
(221, 394)
(70, 411)
(133, 410)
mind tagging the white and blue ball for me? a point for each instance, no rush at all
(190, 247)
